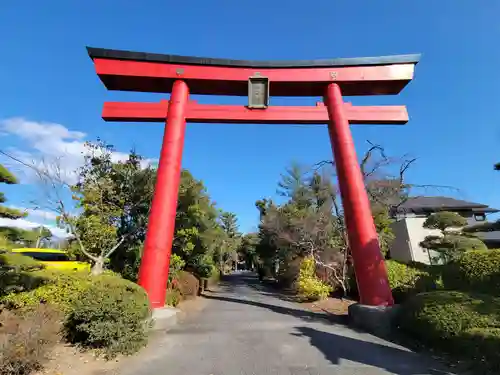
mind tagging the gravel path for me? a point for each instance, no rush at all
(247, 330)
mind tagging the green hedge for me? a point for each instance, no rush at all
(18, 262)
(104, 312)
(111, 315)
(456, 322)
(59, 288)
(15, 273)
(409, 279)
(482, 344)
(476, 270)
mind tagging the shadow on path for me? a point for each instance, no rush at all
(335, 347)
(302, 314)
(267, 287)
(231, 283)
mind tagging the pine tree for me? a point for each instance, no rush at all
(7, 177)
(453, 240)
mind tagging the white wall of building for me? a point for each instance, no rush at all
(409, 232)
(400, 247)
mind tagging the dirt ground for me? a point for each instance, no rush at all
(68, 360)
(332, 306)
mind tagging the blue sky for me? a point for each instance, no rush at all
(51, 99)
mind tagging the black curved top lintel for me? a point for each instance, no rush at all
(113, 54)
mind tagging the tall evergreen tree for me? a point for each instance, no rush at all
(229, 223)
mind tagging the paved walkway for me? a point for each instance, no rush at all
(246, 330)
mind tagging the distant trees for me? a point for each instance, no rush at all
(247, 250)
(204, 236)
(228, 254)
(36, 237)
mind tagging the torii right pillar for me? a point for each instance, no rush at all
(369, 265)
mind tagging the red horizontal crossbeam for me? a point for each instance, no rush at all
(217, 80)
(209, 113)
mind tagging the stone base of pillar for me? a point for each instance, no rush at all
(378, 320)
(164, 318)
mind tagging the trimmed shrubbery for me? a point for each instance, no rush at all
(59, 288)
(463, 317)
(457, 322)
(104, 312)
(476, 270)
(406, 280)
(403, 279)
(18, 262)
(111, 314)
(445, 314)
(16, 273)
(482, 345)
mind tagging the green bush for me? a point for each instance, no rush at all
(454, 321)
(104, 312)
(18, 262)
(475, 270)
(188, 284)
(406, 280)
(482, 345)
(309, 286)
(444, 314)
(110, 315)
(60, 288)
(173, 297)
(26, 338)
(402, 278)
(176, 265)
(15, 273)
(201, 265)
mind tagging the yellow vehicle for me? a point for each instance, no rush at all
(53, 258)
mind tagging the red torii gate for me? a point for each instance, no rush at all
(330, 79)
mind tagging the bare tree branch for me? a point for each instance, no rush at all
(115, 247)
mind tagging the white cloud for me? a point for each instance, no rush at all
(50, 142)
(26, 224)
(46, 142)
(35, 212)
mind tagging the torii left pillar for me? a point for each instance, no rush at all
(153, 272)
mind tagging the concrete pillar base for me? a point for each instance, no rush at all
(377, 320)
(164, 318)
